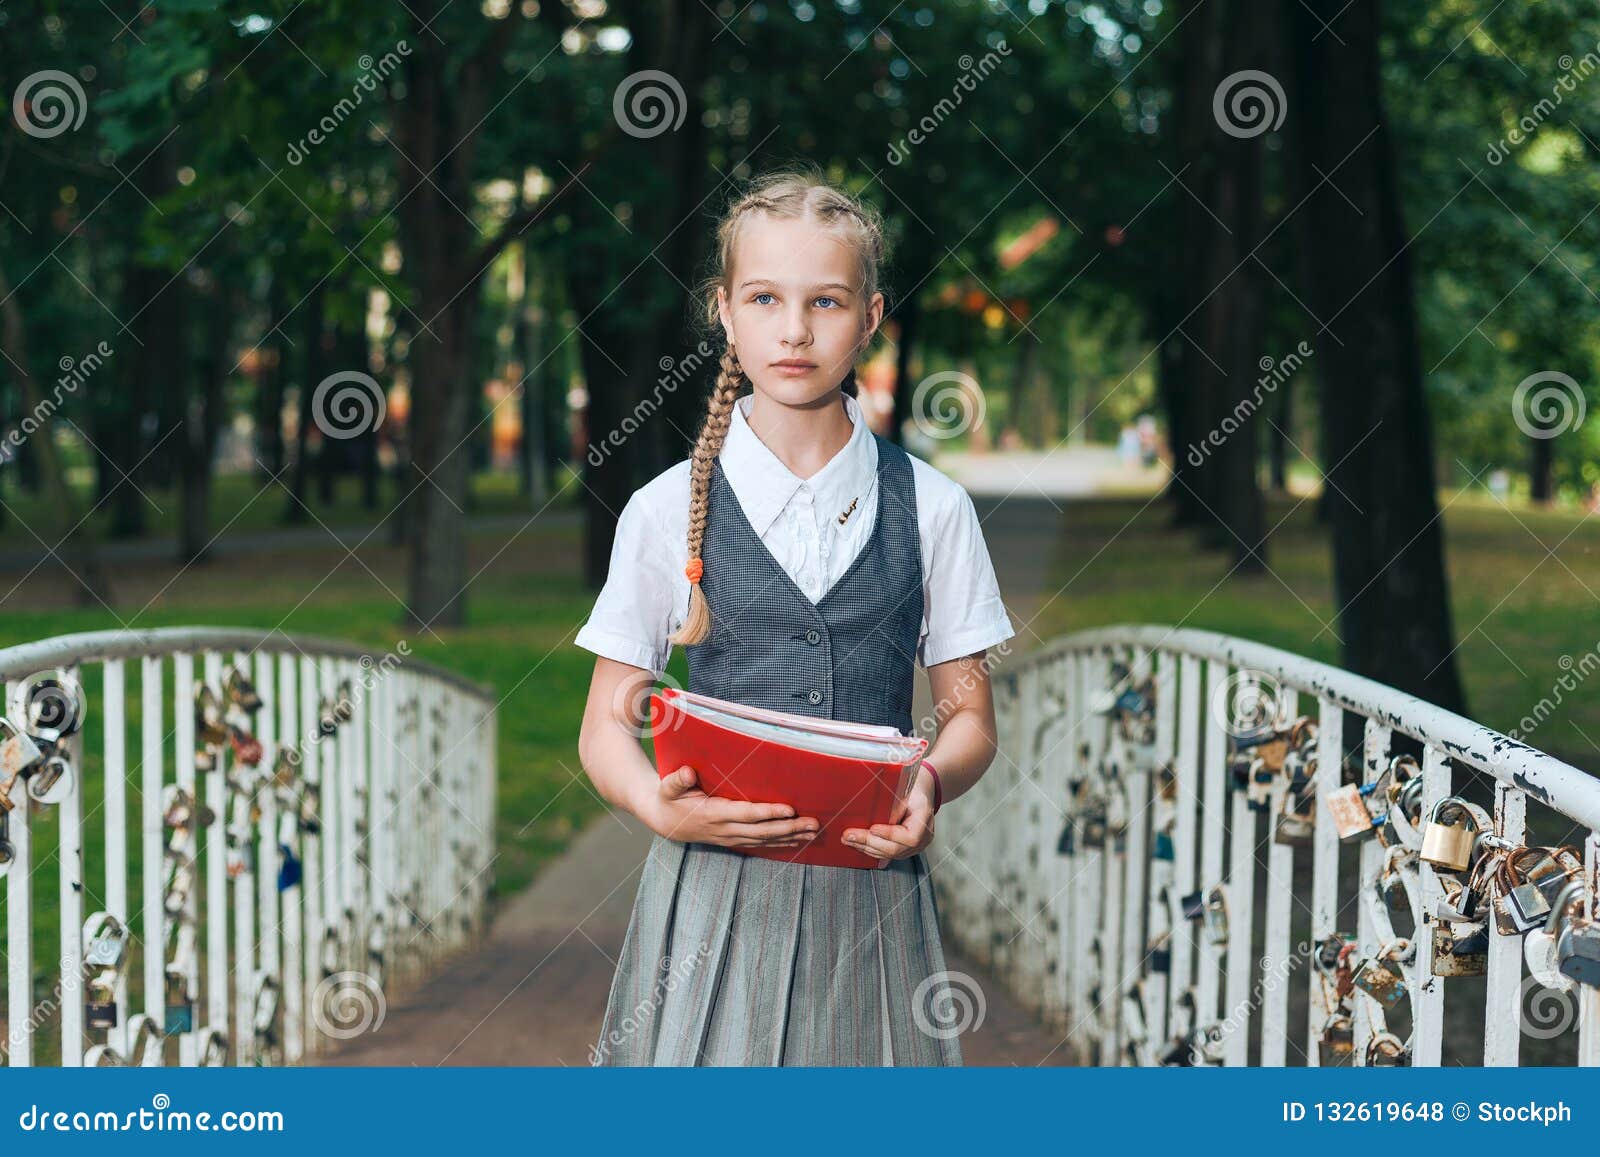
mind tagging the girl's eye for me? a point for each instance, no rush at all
(825, 298)
(759, 296)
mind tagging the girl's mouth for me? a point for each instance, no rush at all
(794, 368)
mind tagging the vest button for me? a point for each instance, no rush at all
(815, 697)
(813, 637)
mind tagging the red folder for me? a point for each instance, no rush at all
(747, 753)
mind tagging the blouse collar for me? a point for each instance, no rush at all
(764, 485)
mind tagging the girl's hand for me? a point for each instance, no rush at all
(682, 811)
(901, 840)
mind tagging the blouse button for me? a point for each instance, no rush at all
(813, 637)
(815, 697)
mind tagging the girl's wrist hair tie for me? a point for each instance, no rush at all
(938, 787)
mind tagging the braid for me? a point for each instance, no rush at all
(719, 413)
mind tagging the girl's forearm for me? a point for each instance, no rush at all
(961, 753)
(621, 772)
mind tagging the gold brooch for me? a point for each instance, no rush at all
(850, 511)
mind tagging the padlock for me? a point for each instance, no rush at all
(239, 860)
(247, 749)
(1539, 951)
(285, 767)
(1336, 1042)
(241, 692)
(1448, 845)
(1092, 825)
(100, 1010)
(1577, 938)
(1348, 809)
(1460, 949)
(1457, 902)
(8, 851)
(327, 717)
(1385, 1050)
(289, 868)
(310, 809)
(1216, 915)
(1163, 849)
(1178, 1053)
(344, 707)
(105, 940)
(1067, 842)
(1391, 881)
(19, 754)
(1522, 905)
(1239, 770)
(1551, 873)
(51, 781)
(1296, 822)
(210, 729)
(179, 1004)
(100, 1014)
(1193, 905)
(1375, 978)
(1258, 797)
(266, 1008)
(1160, 954)
(49, 706)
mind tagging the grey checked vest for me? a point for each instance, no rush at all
(852, 655)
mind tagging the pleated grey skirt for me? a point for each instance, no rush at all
(737, 960)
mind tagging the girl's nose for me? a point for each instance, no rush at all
(795, 330)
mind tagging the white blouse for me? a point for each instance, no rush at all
(646, 593)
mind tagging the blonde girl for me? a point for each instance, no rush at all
(805, 564)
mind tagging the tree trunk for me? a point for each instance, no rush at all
(1541, 464)
(1388, 542)
(78, 548)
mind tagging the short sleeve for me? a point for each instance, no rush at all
(632, 616)
(962, 602)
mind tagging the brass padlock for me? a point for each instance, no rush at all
(1448, 845)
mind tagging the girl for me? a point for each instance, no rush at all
(805, 564)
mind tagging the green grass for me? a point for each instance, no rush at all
(1524, 585)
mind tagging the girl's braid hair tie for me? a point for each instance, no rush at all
(694, 570)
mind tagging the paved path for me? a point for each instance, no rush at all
(535, 993)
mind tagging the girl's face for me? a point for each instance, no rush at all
(795, 315)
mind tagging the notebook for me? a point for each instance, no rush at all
(845, 775)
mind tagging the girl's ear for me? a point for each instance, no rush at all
(724, 315)
(873, 320)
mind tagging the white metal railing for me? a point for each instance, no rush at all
(313, 825)
(1136, 855)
